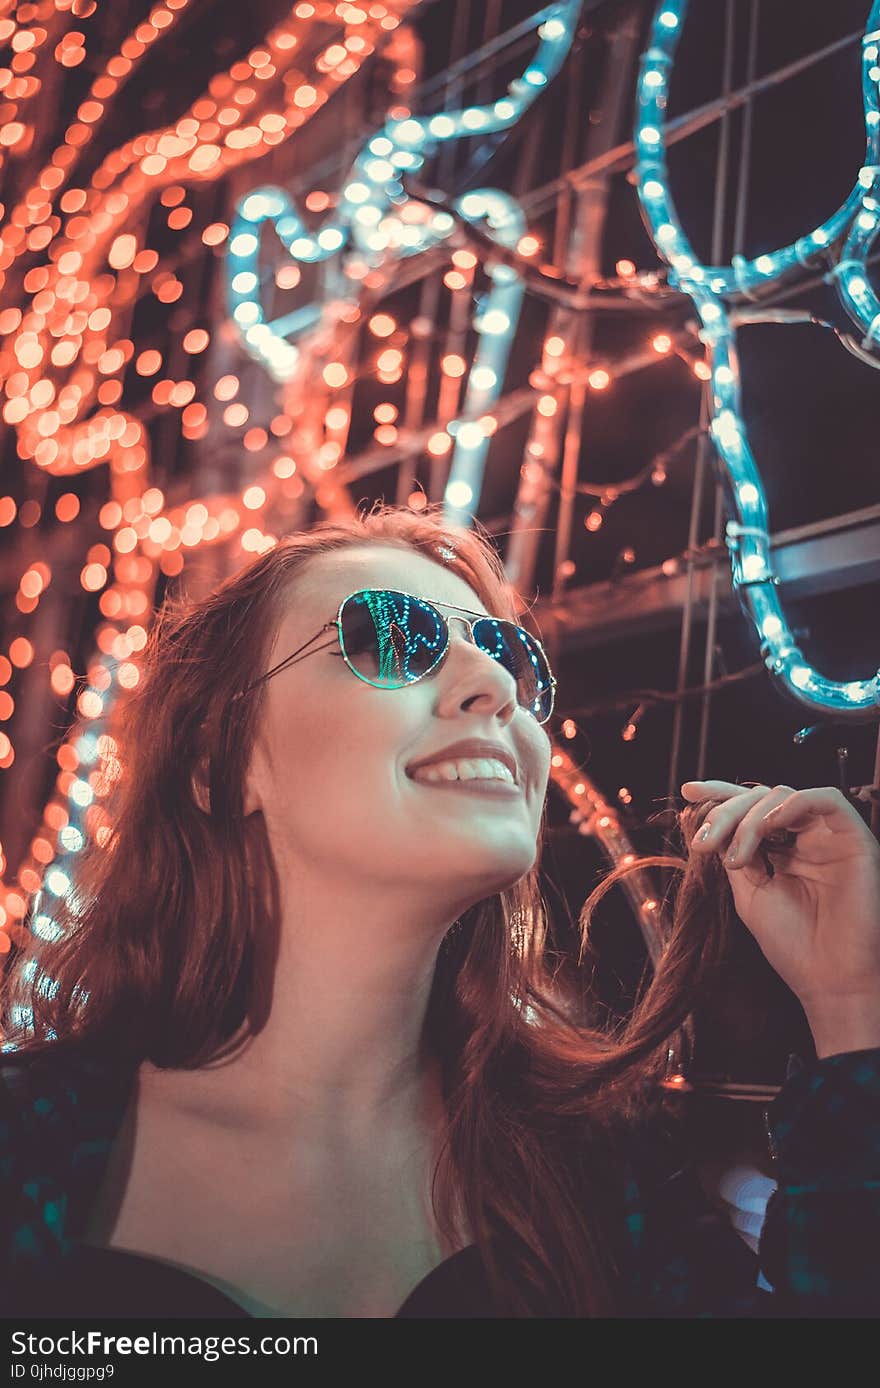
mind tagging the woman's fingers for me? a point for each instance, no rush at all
(715, 790)
(724, 819)
(756, 826)
(801, 807)
(748, 817)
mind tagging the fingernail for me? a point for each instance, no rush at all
(731, 854)
(704, 833)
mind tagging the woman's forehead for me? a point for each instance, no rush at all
(330, 577)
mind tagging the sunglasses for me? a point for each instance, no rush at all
(391, 639)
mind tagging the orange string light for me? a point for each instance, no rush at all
(65, 349)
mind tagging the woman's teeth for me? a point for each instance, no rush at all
(465, 769)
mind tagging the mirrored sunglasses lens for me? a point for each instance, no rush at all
(515, 649)
(391, 638)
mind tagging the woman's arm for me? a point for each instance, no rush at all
(815, 913)
(821, 1237)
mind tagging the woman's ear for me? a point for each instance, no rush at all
(200, 781)
(253, 799)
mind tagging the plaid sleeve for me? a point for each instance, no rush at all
(684, 1259)
(821, 1236)
(820, 1246)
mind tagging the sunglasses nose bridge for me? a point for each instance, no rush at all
(467, 628)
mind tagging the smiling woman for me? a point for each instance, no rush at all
(304, 1019)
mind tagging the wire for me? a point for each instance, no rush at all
(748, 317)
(615, 489)
(664, 696)
(555, 288)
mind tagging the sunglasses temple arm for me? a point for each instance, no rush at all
(290, 659)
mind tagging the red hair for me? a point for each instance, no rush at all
(164, 951)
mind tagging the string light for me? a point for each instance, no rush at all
(145, 535)
(382, 324)
(594, 816)
(630, 728)
(372, 222)
(748, 539)
(95, 266)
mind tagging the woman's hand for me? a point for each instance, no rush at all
(817, 917)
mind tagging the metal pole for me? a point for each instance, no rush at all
(720, 205)
(720, 211)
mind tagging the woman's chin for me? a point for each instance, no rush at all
(493, 864)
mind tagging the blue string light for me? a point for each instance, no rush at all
(495, 325)
(748, 538)
(369, 222)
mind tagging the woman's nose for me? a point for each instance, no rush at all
(481, 675)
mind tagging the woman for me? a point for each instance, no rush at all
(314, 1058)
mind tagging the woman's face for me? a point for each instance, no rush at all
(330, 764)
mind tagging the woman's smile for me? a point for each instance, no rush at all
(476, 786)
